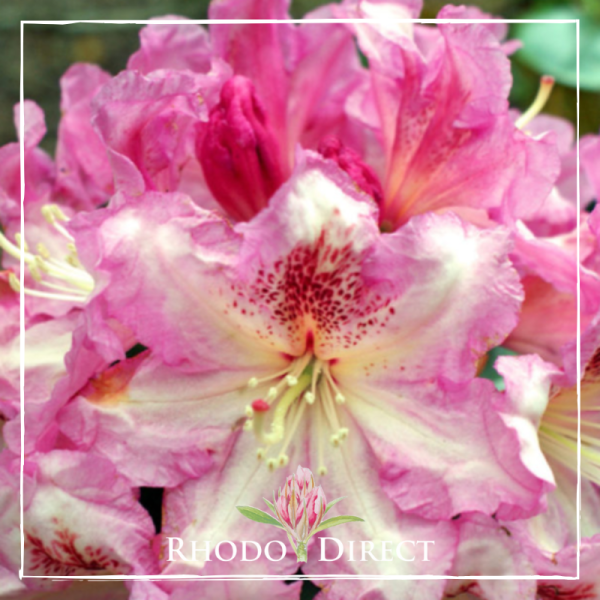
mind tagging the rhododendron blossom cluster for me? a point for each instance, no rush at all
(267, 245)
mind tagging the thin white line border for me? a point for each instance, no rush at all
(303, 577)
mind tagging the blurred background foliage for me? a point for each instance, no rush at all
(50, 49)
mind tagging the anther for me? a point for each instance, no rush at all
(34, 270)
(291, 380)
(271, 464)
(322, 471)
(21, 243)
(343, 433)
(260, 453)
(249, 411)
(272, 393)
(248, 425)
(252, 382)
(335, 440)
(339, 398)
(14, 283)
(309, 397)
(283, 459)
(43, 251)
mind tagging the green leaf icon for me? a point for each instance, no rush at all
(259, 516)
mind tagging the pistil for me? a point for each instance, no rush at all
(544, 91)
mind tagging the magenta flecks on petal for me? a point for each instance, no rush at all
(239, 152)
(350, 161)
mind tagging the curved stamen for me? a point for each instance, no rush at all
(544, 91)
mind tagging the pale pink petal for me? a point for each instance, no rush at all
(84, 177)
(39, 168)
(353, 473)
(184, 273)
(179, 47)
(192, 514)
(496, 26)
(488, 547)
(81, 517)
(326, 72)
(423, 312)
(436, 446)
(159, 426)
(548, 321)
(148, 123)
(35, 123)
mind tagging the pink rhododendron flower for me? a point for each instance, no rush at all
(257, 249)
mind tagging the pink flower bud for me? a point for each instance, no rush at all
(300, 505)
(238, 151)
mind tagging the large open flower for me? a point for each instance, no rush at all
(308, 328)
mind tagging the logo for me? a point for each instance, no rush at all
(299, 509)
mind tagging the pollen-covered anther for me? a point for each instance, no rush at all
(43, 251)
(322, 471)
(53, 213)
(272, 464)
(21, 243)
(248, 425)
(261, 453)
(335, 440)
(343, 433)
(249, 411)
(283, 460)
(339, 398)
(272, 393)
(252, 382)
(291, 380)
(309, 397)
(14, 282)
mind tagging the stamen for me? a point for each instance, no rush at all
(339, 398)
(249, 411)
(21, 242)
(53, 214)
(545, 89)
(322, 469)
(16, 286)
(248, 425)
(291, 380)
(309, 397)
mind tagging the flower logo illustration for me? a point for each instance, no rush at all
(299, 510)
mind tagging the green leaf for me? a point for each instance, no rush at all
(551, 48)
(336, 521)
(260, 516)
(330, 504)
(271, 506)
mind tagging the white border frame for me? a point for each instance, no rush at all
(291, 577)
